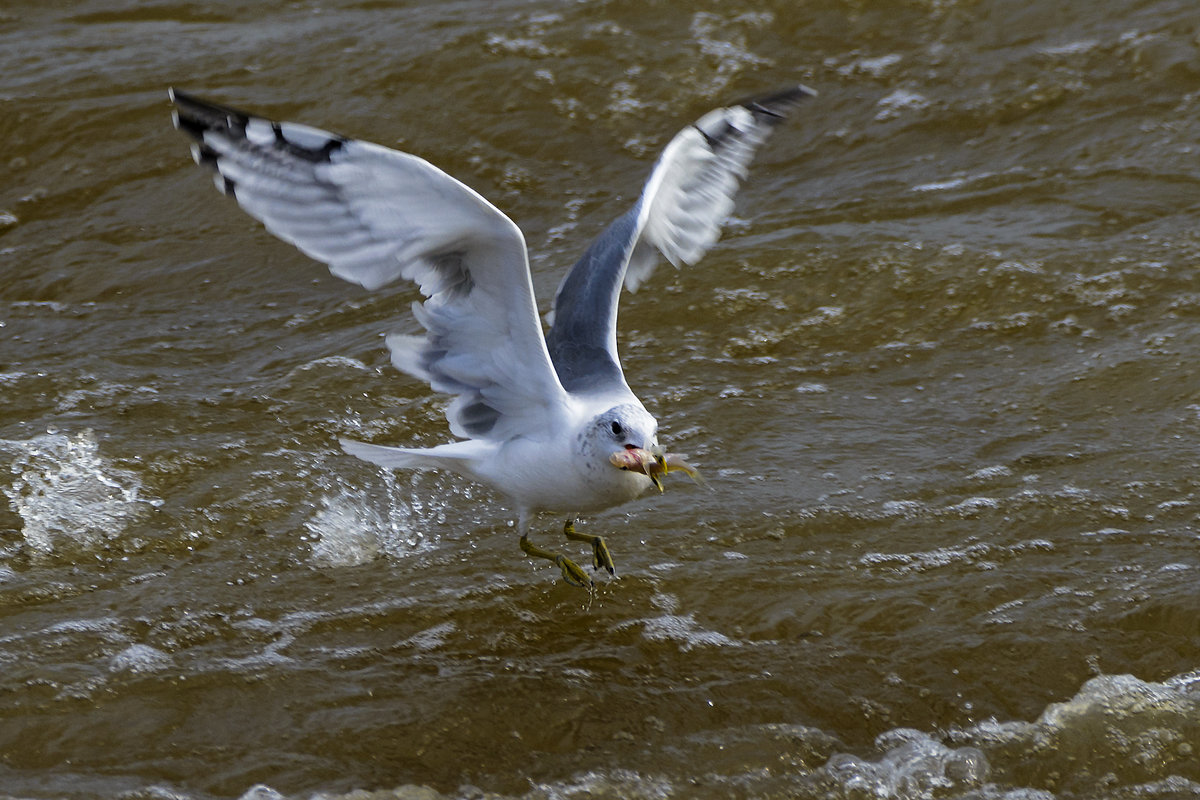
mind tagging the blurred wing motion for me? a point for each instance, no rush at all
(375, 215)
(686, 200)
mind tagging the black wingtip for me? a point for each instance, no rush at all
(774, 106)
(769, 109)
(194, 115)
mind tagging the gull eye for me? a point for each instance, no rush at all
(616, 428)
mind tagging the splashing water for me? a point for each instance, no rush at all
(914, 765)
(350, 529)
(65, 492)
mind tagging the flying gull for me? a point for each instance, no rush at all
(545, 419)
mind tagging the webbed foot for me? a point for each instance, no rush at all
(572, 573)
(600, 555)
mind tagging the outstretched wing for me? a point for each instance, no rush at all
(375, 215)
(686, 199)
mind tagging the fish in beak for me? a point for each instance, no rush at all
(653, 462)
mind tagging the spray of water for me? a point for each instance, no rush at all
(67, 494)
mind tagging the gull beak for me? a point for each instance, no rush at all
(656, 469)
(651, 462)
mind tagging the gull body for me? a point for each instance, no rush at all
(538, 414)
(538, 471)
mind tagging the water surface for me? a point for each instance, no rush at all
(939, 373)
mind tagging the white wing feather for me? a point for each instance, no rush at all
(689, 194)
(375, 215)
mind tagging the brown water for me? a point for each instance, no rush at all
(940, 373)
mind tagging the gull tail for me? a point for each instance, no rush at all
(457, 457)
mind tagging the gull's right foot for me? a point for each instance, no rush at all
(571, 572)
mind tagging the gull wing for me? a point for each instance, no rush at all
(375, 215)
(679, 215)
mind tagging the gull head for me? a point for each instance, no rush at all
(621, 429)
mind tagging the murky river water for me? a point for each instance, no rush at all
(940, 373)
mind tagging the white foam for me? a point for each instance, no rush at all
(430, 638)
(103, 395)
(330, 363)
(990, 473)
(875, 67)
(939, 186)
(622, 783)
(899, 102)
(526, 46)
(680, 628)
(909, 509)
(977, 555)
(66, 493)
(913, 765)
(973, 505)
(1148, 716)
(686, 631)
(140, 658)
(1071, 48)
(261, 792)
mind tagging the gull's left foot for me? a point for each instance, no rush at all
(600, 555)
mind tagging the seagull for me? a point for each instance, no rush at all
(546, 419)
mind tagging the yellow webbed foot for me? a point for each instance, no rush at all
(572, 573)
(600, 555)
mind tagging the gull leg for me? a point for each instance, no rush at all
(571, 571)
(600, 555)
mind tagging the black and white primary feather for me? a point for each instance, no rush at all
(538, 417)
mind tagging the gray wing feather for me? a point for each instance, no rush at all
(583, 337)
(685, 201)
